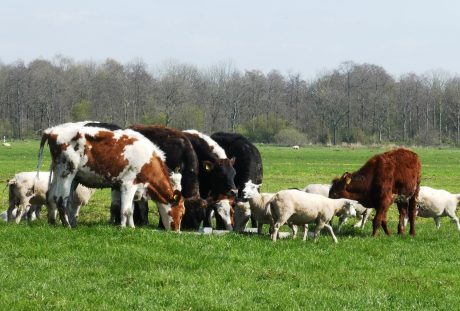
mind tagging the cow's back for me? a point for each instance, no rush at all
(248, 163)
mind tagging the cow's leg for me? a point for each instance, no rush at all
(402, 207)
(126, 212)
(71, 210)
(412, 213)
(115, 207)
(385, 223)
(259, 228)
(253, 222)
(208, 219)
(141, 212)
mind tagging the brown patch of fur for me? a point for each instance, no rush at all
(160, 189)
(105, 154)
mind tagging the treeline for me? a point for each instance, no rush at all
(352, 103)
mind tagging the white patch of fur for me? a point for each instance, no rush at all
(216, 149)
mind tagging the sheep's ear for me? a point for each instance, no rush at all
(177, 169)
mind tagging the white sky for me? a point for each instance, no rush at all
(292, 36)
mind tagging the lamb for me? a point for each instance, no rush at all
(27, 194)
(362, 213)
(301, 208)
(258, 204)
(437, 203)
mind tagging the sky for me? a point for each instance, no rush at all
(306, 37)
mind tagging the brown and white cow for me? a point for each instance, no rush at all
(393, 175)
(98, 157)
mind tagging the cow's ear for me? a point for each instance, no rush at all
(232, 161)
(208, 166)
(348, 179)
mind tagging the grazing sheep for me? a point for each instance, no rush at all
(258, 204)
(301, 208)
(27, 194)
(437, 203)
(296, 147)
(362, 213)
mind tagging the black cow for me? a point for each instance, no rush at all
(248, 162)
(181, 155)
(216, 172)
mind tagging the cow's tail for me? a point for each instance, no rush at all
(40, 153)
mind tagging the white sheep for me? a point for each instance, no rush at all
(258, 204)
(241, 216)
(27, 194)
(301, 208)
(362, 213)
(437, 203)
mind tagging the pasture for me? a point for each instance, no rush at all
(98, 266)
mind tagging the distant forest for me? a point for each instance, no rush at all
(354, 103)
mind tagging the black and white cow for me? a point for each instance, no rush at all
(248, 161)
(216, 176)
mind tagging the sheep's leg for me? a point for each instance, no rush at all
(437, 221)
(23, 208)
(294, 230)
(305, 232)
(38, 210)
(126, 212)
(31, 213)
(342, 220)
(365, 217)
(318, 228)
(452, 215)
(276, 228)
(332, 232)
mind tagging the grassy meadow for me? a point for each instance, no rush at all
(100, 267)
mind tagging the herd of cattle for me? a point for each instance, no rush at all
(193, 177)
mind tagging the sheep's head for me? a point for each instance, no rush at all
(349, 208)
(241, 216)
(250, 190)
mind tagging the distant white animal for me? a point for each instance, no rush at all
(362, 213)
(301, 208)
(27, 194)
(296, 147)
(5, 144)
(437, 203)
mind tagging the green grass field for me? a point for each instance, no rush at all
(99, 267)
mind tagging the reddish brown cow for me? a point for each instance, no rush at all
(98, 157)
(393, 175)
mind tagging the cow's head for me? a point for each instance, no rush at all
(177, 210)
(195, 212)
(222, 176)
(339, 186)
(223, 206)
(250, 190)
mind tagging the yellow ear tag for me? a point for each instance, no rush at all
(207, 167)
(348, 180)
(176, 197)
